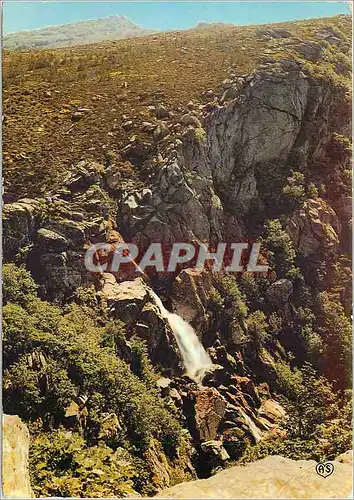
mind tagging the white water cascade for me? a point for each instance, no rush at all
(257, 434)
(195, 359)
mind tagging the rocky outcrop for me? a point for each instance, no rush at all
(314, 226)
(272, 477)
(190, 294)
(209, 411)
(19, 224)
(131, 302)
(274, 117)
(279, 292)
(15, 446)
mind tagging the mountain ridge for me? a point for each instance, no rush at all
(109, 27)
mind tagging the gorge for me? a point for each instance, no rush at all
(130, 384)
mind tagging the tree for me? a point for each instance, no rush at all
(314, 403)
(336, 334)
(281, 254)
(257, 328)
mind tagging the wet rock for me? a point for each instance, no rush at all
(279, 292)
(190, 294)
(131, 302)
(15, 449)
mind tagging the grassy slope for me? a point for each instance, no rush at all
(40, 143)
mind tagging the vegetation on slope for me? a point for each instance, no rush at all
(60, 363)
(116, 82)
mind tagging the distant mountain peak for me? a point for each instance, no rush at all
(113, 27)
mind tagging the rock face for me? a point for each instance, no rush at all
(314, 226)
(272, 477)
(189, 296)
(130, 301)
(15, 445)
(206, 182)
(209, 411)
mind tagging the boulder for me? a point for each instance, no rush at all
(113, 177)
(161, 112)
(215, 448)
(190, 120)
(272, 477)
(346, 458)
(279, 292)
(19, 221)
(310, 50)
(271, 410)
(51, 241)
(209, 411)
(15, 449)
(124, 299)
(160, 132)
(83, 175)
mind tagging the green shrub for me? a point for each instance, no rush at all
(62, 465)
(281, 254)
(18, 286)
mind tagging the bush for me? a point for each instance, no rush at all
(257, 329)
(18, 286)
(63, 466)
(281, 254)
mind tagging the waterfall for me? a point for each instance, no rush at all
(195, 359)
(253, 428)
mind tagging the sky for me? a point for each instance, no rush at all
(19, 15)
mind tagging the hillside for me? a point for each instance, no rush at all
(133, 382)
(80, 33)
(116, 83)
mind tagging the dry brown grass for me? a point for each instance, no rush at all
(43, 89)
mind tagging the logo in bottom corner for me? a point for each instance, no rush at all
(324, 469)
